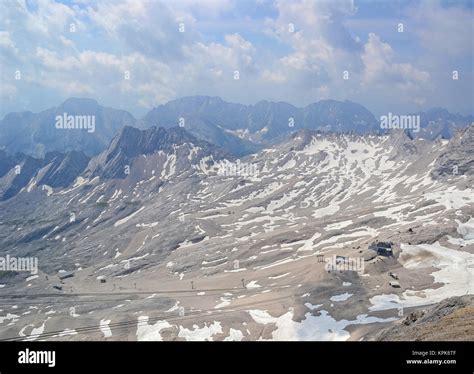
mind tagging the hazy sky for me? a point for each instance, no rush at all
(294, 50)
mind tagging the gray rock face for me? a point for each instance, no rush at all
(17, 178)
(203, 117)
(6, 163)
(61, 170)
(36, 133)
(439, 123)
(263, 123)
(131, 143)
(458, 159)
(54, 170)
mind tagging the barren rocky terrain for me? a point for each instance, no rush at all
(179, 241)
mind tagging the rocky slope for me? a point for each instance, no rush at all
(54, 170)
(452, 319)
(458, 159)
(192, 245)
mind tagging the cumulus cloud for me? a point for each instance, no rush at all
(380, 67)
(97, 73)
(295, 50)
(322, 50)
(148, 27)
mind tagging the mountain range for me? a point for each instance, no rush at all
(193, 244)
(239, 129)
(36, 134)
(160, 234)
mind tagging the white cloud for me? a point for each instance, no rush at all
(100, 73)
(380, 67)
(443, 31)
(149, 27)
(322, 49)
(6, 41)
(301, 67)
(216, 60)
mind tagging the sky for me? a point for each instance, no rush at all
(390, 56)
